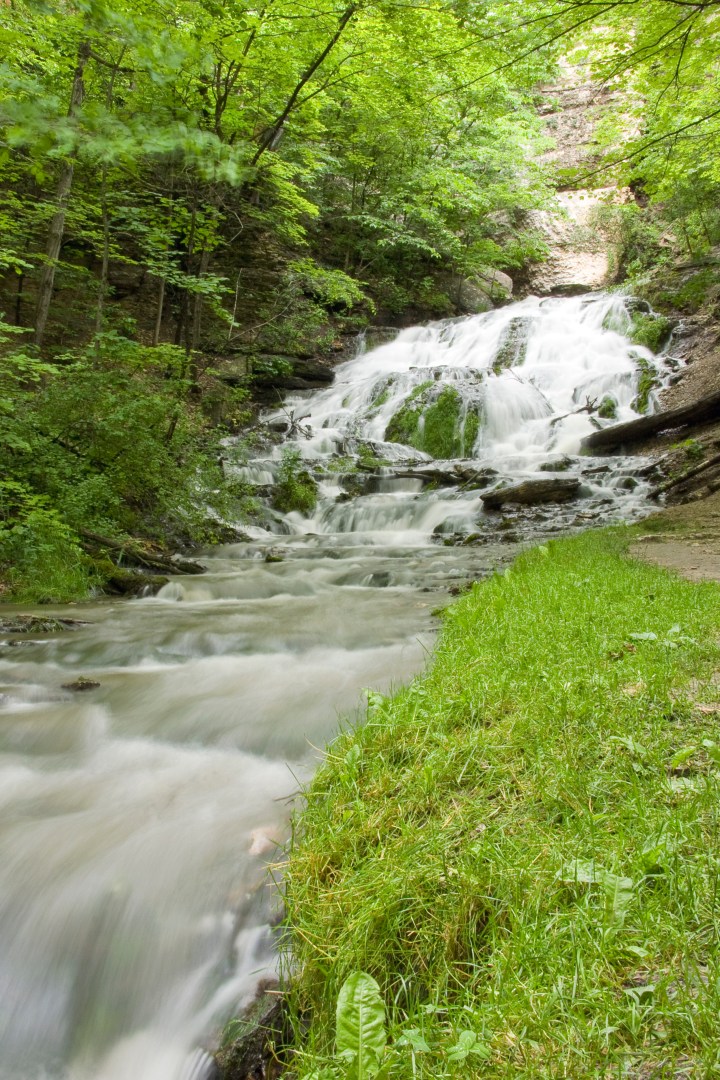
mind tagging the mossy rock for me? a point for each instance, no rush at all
(298, 494)
(651, 331)
(512, 348)
(608, 408)
(439, 424)
(382, 393)
(120, 581)
(695, 292)
(647, 382)
(403, 426)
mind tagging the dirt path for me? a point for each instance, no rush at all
(685, 539)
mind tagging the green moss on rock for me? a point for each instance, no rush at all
(608, 408)
(437, 424)
(647, 382)
(652, 331)
(512, 348)
(403, 427)
(470, 431)
(441, 435)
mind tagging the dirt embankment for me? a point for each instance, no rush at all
(684, 535)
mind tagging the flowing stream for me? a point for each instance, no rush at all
(139, 817)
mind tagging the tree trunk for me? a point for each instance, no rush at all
(197, 316)
(19, 298)
(269, 138)
(102, 287)
(62, 197)
(611, 439)
(159, 314)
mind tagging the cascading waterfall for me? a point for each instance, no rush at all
(138, 818)
(512, 392)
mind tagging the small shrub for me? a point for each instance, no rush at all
(294, 489)
(40, 559)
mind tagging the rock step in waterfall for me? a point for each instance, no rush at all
(430, 432)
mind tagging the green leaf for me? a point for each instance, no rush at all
(468, 1043)
(630, 744)
(682, 756)
(712, 750)
(578, 871)
(411, 1037)
(360, 1025)
(619, 892)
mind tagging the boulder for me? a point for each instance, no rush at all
(471, 298)
(275, 555)
(83, 683)
(258, 1039)
(275, 370)
(557, 465)
(498, 285)
(375, 336)
(533, 492)
(290, 372)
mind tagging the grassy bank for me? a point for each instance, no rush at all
(523, 845)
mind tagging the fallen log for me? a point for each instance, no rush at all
(677, 481)
(137, 555)
(533, 492)
(620, 436)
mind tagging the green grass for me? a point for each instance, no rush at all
(524, 842)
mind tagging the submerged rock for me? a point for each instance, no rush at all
(275, 554)
(82, 683)
(557, 465)
(533, 492)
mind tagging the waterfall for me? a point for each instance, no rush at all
(512, 391)
(139, 817)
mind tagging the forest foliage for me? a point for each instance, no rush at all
(190, 180)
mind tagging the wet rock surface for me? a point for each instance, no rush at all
(78, 685)
(256, 1051)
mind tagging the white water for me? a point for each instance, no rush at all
(138, 818)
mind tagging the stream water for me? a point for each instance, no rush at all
(138, 818)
